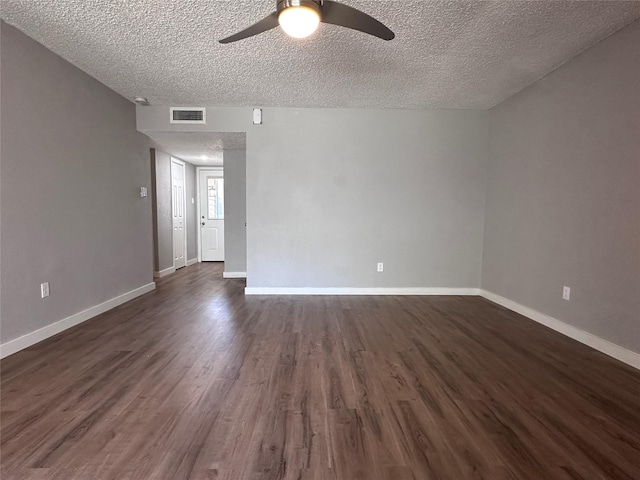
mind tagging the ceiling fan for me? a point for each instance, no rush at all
(300, 18)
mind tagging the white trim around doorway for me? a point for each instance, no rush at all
(220, 169)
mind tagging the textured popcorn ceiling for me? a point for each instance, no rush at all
(191, 147)
(447, 54)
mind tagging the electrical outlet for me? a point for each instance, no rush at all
(44, 289)
(380, 267)
(566, 293)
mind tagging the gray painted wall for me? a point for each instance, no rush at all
(331, 192)
(563, 196)
(163, 224)
(235, 204)
(72, 167)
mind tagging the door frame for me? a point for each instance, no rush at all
(216, 169)
(184, 200)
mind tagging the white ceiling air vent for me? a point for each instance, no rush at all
(188, 115)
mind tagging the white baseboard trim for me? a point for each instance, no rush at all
(193, 261)
(20, 343)
(164, 273)
(234, 275)
(608, 348)
(361, 291)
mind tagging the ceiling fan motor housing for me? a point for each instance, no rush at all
(300, 18)
(312, 4)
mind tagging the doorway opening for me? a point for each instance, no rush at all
(215, 217)
(211, 214)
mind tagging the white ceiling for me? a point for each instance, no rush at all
(198, 148)
(447, 54)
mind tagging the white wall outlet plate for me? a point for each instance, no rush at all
(44, 289)
(380, 267)
(143, 192)
(566, 293)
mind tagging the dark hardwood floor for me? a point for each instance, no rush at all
(197, 381)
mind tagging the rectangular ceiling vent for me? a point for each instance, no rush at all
(188, 115)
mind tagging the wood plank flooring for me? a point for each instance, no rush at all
(197, 381)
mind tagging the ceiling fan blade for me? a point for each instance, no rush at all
(262, 26)
(345, 16)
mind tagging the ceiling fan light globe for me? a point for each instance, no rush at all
(299, 21)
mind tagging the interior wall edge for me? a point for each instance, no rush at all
(15, 345)
(611, 349)
(418, 291)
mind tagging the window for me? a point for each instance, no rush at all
(215, 198)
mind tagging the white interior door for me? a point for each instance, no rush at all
(178, 207)
(211, 216)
